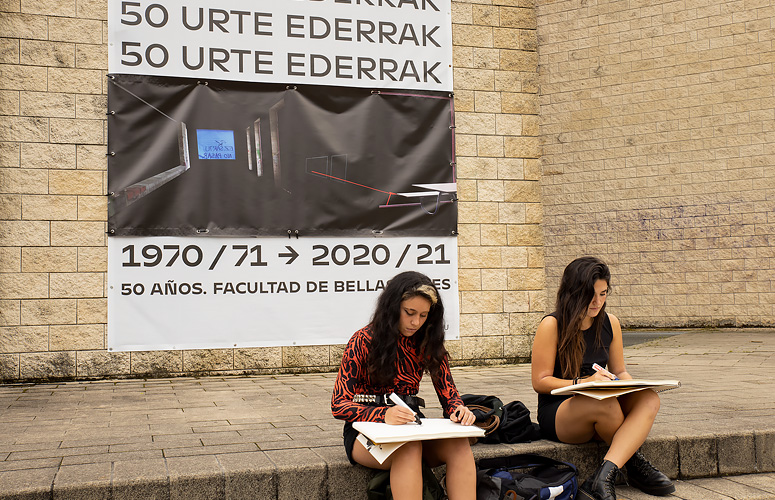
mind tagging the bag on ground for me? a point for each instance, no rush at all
(502, 423)
(526, 477)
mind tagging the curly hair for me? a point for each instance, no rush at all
(385, 326)
(576, 291)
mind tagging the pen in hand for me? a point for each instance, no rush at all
(605, 372)
(400, 402)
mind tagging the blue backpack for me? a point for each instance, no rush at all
(526, 477)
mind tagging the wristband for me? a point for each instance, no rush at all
(575, 381)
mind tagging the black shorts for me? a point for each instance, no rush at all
(547, 414)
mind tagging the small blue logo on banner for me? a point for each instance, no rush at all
(215, 144)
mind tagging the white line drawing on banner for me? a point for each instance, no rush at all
(134, 192)
(256, 136)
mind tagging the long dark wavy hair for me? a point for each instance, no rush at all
(386, 330)
(577, 289)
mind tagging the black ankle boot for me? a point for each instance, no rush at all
(644, 476)
(602, 484)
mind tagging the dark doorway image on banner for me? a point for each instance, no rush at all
(224, 158)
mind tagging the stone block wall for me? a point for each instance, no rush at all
(658, 127)
(53, 209)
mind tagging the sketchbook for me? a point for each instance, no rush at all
(602, 389)
(382, 439)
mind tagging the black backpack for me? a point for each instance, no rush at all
(526, 477)
(502, 423)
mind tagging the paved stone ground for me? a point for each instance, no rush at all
(264, 436)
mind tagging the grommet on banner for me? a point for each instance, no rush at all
(297, 234)
(375, 92)
(454, 233)
(376, 231)
(111, 77)
(110, 231)
(110, 193)
(452, 163)
(290, 87)
(202, 231)
(452, 127)
(289, 234)
(110, 113)
(200, 82)
(111, 153)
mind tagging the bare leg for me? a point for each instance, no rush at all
(405, 465)
(581, 419)
(461, 470)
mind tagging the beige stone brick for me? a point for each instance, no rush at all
(10, 260)
(516, 301)
(470, 325)
(518, 102)
(53, 156)
(475, 123)
(472, 36)
(495, 324)
(522, 147)
(514, 256)
(46, 53)
(466, 190)
(81, 182)
(519, 60)
(477, 168)
(77, 131)
(453, 349)
(510, 168)
(48, 259)
(481, 348)
(92, 9)
(156, 363)
(77, 337)
(92, 208)
(15, 77)
(305, 356)
(534, 213)
(465, 144)
(64, 29)
(538, 300)
(481, 302)
(518, 347)
(493, 234)
(23, 181)
(9, 367)
(511, 81)
(9, 155)
(99, 364)
(512, 17)
(479, 212)
(91, 56)
(91, 157)
(526, 279)
(486, 15)
(489, 190)
(10, 312)
(76, 285)
(48, 312)
(486, 58)
(92, 311)
(468, 235)
(80, 233)
(525, 323)
(93, 259)
(91, 107)
(25, 26)
(199, 360)
(256, 358)
(508, 124)
(47, 365)
(462, 13)
(511, 213)
(24, 233)
(9, 51)
(494, 279)
(479, 257)
(46, 207)
(11, 206)
(532, 169)
(487, 102)
(473, 79)
(23, 128)
(463, 57)
(489, 146)
(523, 191)
(9, 99)
(23, 285)
(63, 8)
(47, 104)
(525, 235)
(469, 279)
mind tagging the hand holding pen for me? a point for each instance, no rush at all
(604, 372)
(401, 413)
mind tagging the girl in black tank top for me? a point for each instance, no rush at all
(567, 343)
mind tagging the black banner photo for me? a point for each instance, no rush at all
(236, 158)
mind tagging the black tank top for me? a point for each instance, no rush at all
(594, 353)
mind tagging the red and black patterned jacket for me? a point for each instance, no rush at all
(353, 378)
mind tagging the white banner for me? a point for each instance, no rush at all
(396, 44)
(204, 293)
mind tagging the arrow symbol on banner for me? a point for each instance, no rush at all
(293, 254)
